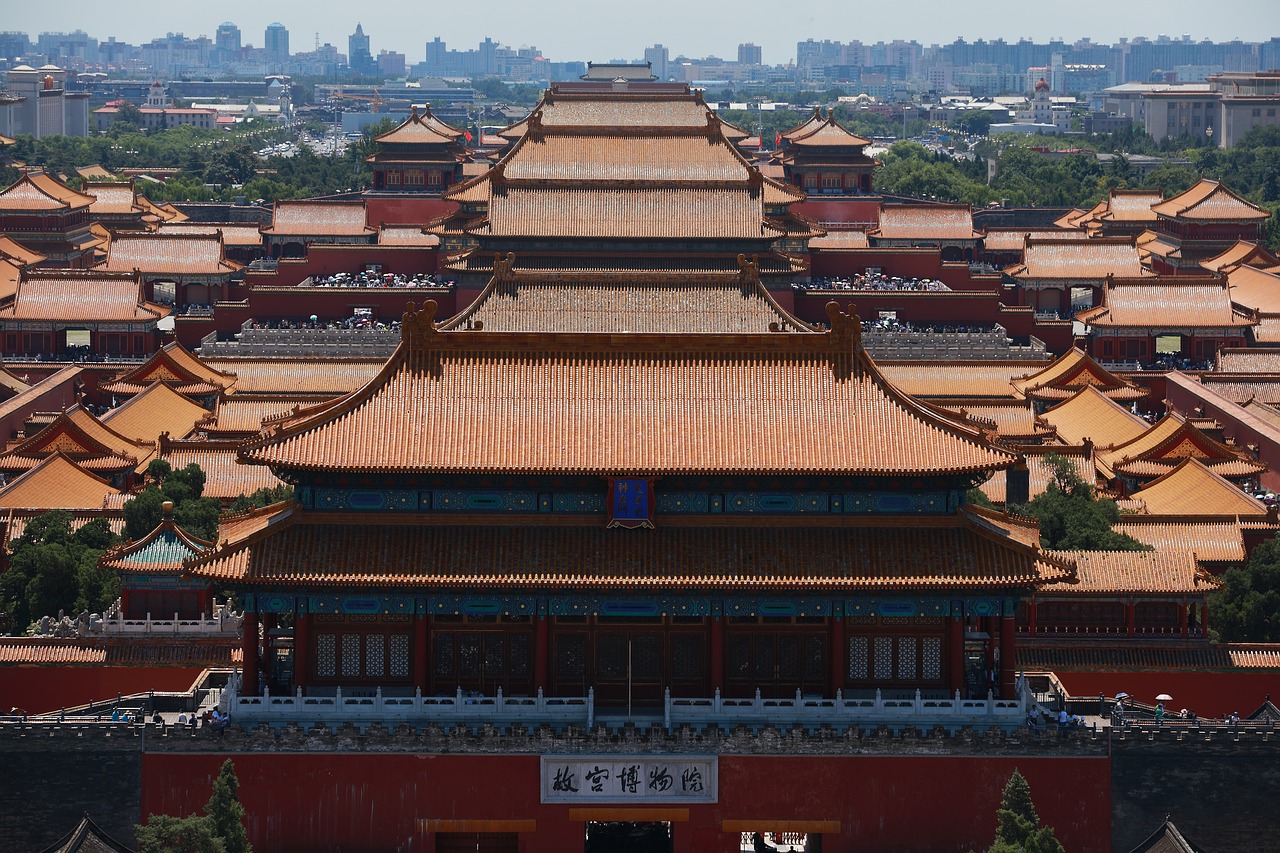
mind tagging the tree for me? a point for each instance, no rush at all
(1247, 608)
(263, 497)
(1072, 518)
(1020, 830)
(226, 813)
(53, 569)
(184, 487)
(167, 834)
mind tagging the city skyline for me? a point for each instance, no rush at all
(573, 32)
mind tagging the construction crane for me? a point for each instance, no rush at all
(375, 101)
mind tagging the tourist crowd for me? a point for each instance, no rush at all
(870, 281)
(375, 279)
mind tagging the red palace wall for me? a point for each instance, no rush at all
(365, 802)
(904, 263)
(41, 689)
(1209, 694)
(405, 209)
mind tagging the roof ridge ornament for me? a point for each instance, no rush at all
(846, 340)
(417, 328)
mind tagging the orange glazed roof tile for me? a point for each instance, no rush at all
(242, 413)
(234, 234)
(1132, 206)
(1241, 254)
(39, 191)
(226, 478)
(112, 198)
(81, 295)
(1092, 415)
(1151, 303)
(1040, 472)
(17, 519)
(285, 546)
(1253, 360)
(1214, 540)
(962, 379)
(809, 125)
(10, 273)
(421, 128)
(1255, 289)
(1193, 489)
(296, 376)
(1210, 200)
(175, 365)
(16, 251)
(406, 235)
(494, 401)
(56, 483)
(1014, 239)
(178, 254)
(1166, 444)
(1240, 389)
(827, 133)
(612, 157)
(155, 411)
(1012, 419)
(82, 437)
(837, 240)
(1152, 572)
(302, 218)
(925, 222)
(1070, 372)
(1077, 259)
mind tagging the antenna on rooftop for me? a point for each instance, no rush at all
(317, 41)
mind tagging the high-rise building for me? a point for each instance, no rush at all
(750, 54)
(359, 57)
(277, 42)
(226, 43)
(658, 58)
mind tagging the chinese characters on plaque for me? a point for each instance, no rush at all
(630, 503)
(613, 779)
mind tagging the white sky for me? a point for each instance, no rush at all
(599, 31)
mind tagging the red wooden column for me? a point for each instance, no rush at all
(268, 622)
(1008, 657)
(1204, 620)
(420, 652)
(717, 653)
(1031, 618)
(1129, 618)
(301, 650)
(838, 667)
(249, 686)
(1182, 619)
(541, 650)
(955, 652)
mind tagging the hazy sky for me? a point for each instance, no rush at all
(599, 31)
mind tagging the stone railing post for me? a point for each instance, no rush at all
(591, 707)
(715, 703)
(666, 708)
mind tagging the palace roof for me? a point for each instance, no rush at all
(155, 411)
(282, 545)
(1241, 254)
(1262, 411)
(56, 482)
(164, 549)
(644, 108)
(1131, 206)
(226, 477)
(10, 273)
(957, 379)
(823, 132)
(1129, 572)
(1171, 440)
(16, 519)
(169, 253)
(1015, 239)
(1070, 372)
(88, 296)
(1013, 420)
(314, 217)
(843, 240)
(1254, 360)
(627, 71)
(1077, 259)
(113, 198)
(242, 415)
(406, 235)
(1040, 472)
(123, 651)
(421, 128)
(1092, 415)
(1210, 201)
(84, 439)
(235, 235)
(1254, 289)
(925, 222)
(87, 837)
(15, 251)
(1075, 217)
(1169, 302)
(294, 376)
(1167, 839)
(176, 366)
(40, 191)
(1193, 489)
(1241, 388)
(1213, 540)
(649, 303)
(590, 403)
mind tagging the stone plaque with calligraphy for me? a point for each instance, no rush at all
(628, 779)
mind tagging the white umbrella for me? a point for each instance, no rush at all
(1164, 697)
(1122, 695)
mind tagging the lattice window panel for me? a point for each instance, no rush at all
(494, 665)
(686, 657)
(906, 658)
(763, 667)
(326, 655)
(518, 655)
(646, 658)
(789, 658)
(350, 655)
(740, 657)
(399, 655)
(611, 656)
(884, 658)
(444, 655)
(375, 656)
(931, 659)
(571, 658)
(858, 647)
(815, 657)
(469, 656)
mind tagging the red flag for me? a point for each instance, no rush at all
(468, 134)
(777, 139)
